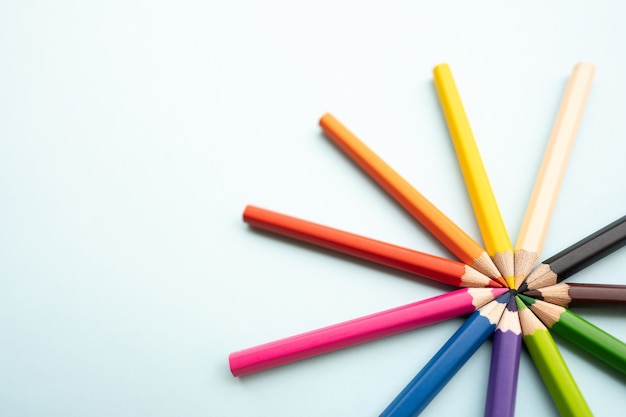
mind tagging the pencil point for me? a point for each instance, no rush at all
(533, 293)
(523, 288)
(504, 298)
(512, 305)
(501, 281)
(510, 281)
(527, 300)
(495, 284)
(520, 303)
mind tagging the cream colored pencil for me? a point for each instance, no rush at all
(543, 198)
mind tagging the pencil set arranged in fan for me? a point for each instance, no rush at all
(505, 359)
(545, 191)
(429, 266)
(577, 256)
(574, 295)
(448, 360)
(385, 323)
(445, 230)
(550, 364)
(500, 294)
(486, 209)
(580, 332)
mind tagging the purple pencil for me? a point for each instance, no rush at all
(505, 357)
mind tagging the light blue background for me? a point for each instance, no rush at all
(134, 133)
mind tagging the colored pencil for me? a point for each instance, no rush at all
(572, 295)
(486, 209)
(544, 195)
(577, 256)
(550, 364)
(445, 230)
(448, 360)
(443, 307)
(505, 359)
(429, 266)
(579, 331)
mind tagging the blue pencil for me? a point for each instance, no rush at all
(505, 357)
(450, 358)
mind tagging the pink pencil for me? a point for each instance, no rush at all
(453, 304)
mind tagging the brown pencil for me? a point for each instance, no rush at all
(567, 295)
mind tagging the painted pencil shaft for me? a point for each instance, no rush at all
(447, 361)
(579, 331)
(592, 339)
(544, 195)
(577, 256)
(447, 232)
(551, 366)
(486, 209)
(505, 359)
(453, 304)
(574, 294)
(418, 263)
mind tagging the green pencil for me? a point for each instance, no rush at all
(580, 332)
(550, 364)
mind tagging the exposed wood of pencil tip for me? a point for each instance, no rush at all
(523, 263)
(542, 276)
(475, 278)
(493, 311)
(556, 294)
(510, 321)
(505, 262)
(485, 264)
(528, 321)
(546, 312)
(480, 296)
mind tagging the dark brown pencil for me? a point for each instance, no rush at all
(578, 256)
(567, 295)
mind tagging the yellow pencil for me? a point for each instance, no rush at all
(486, 209)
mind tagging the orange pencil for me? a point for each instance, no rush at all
(445, 230)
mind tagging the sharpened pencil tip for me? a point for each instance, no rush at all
(527, 300)
(504, 298)
(510, 281)
(495, 284)
(533, 293)
(523, 287)
(501, 281)
(520, 303)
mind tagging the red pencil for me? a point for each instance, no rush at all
(418, 263)
(443, 307)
